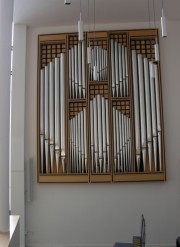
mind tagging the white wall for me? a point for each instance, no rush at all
(17, 126)
(100, 214)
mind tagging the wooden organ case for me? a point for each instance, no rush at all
(99, 108)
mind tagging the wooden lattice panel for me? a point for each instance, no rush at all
(120, 38)
(95, 89)
(123, 106)
(144, 46)
(48, 52)
(75, 108)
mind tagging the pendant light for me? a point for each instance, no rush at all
(163, 23)
(89, 59)
(156, 45)
(80, 26)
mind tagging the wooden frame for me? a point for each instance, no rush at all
(49, 47)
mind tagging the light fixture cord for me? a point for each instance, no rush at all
(80, 6)
(162, 4)
(94, 16)
(88, 17)
(149, 15)
(88, 20)
(154, 15)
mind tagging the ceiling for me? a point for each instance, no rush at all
(55, 12)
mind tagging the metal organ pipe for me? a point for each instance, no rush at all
(42, 119)
(47, 116)
(142, 109)
(153, 113)
(57, 113)
(136, 108)
(158, 115)
(51, 112)
(148, 111)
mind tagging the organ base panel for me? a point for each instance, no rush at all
(99, 109)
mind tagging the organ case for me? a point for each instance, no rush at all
(100, 121)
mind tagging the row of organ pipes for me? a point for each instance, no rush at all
(99, 135)
(52, 116)
(122, 142)
(119, 69)
(78, 143)
(147, 113)
(77, 85)
(97, 60)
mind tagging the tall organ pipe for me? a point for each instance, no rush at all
(51, 112)
(136, 108)
(142, 109)
(153, 113)
(42, 119)
(158, 115)
(148, 111)
(47, 116)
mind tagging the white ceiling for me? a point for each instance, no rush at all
(55, 12)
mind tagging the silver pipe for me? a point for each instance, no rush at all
(79, 141)
(76, 146)
(92, 134)
(82, 141)
(80, 68)
(85, 141)
(136, 108)
(42, 152)
(95, 133)
(57, 113)
(118, 141)
(116, 68)
(98, 63)
(46, 126)
(104, 134)
(42, 82)
(120, 70)
(42, 118)
(121, 143)
(62, 102)
(158, 114)
(112, 68)
(76, 70)
(148, 111)
(126, 143)
(83, 72)
(99, 112)
(106, 70)
(153, 114)
(70, 145)
(51, 112)
(73, 72)
(123, 71)
(107, 135)
(114, 132)
(142, 109)
(126, 68)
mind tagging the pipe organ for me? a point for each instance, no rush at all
(100, 108)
